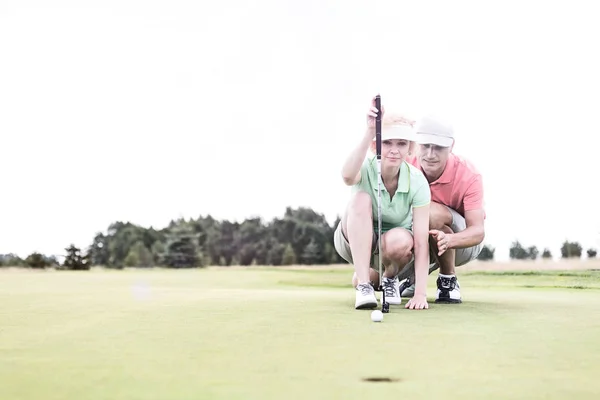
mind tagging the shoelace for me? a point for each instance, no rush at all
(448, 283)
(388, 287)
(364, 288)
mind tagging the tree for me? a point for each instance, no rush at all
(11, 260)
(158, 252)
(517, 251)
(37, 260)
(277, 254)
(181, 250)
(570, 250)
(228, 241)
(122, 237)
(75, 261)
(139, 256)
(487, 253)
(99, 250)
(247, 254)
(591, 253)
(311, 253)
(132, 259)
(289, 257)
(546, 253)
(533, 252)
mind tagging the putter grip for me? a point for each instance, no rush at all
(378, 126)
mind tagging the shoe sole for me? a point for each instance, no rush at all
(449, 301)
(366, 306)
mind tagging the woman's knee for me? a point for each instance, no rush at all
(397, 244)
(360, 203)
(359, 210)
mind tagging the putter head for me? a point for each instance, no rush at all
(385, 307)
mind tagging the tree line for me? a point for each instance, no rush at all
(519, 252)
(300, 236)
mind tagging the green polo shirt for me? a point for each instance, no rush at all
(413, 191)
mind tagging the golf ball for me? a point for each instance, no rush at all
(377, 316)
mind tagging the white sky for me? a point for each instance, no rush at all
(240, 110)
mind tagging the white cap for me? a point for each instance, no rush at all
(397, 126)
(431, 130)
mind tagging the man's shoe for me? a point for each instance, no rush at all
(365, 297)
(391, 289)
(448, 290)
(407, 286)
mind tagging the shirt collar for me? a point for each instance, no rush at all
(403, 178)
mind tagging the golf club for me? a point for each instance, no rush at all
(385, 307)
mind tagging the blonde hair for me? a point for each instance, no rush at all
(395, 118)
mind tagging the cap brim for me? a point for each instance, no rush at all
(425, 138)
(397, 132)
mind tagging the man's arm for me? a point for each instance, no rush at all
(473, 234)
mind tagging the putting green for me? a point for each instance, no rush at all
(262, 333)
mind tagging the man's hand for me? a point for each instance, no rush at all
(417, 302)
(442, 240)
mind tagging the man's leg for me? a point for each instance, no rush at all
(448, 287)
(440, 218)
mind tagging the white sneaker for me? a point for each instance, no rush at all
(448, 290)
(365, 296)
(391, 288)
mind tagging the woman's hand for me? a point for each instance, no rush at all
(372, 117)
(417, 302)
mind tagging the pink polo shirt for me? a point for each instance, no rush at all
(460, 187)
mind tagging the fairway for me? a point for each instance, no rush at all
(292, 333)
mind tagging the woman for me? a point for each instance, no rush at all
(404, 208)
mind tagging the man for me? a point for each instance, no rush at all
(456, 218)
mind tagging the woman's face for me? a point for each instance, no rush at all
(394, 152)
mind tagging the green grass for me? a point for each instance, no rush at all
(293, 333)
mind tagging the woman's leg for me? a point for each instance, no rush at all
(396, 245)
(357, 226)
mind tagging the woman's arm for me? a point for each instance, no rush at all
(351, 168)
(421, 250)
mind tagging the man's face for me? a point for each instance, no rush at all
(433, 158)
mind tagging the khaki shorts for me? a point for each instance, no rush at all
(462, 256)
(343, 247)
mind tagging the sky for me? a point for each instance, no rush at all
(147, 111)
